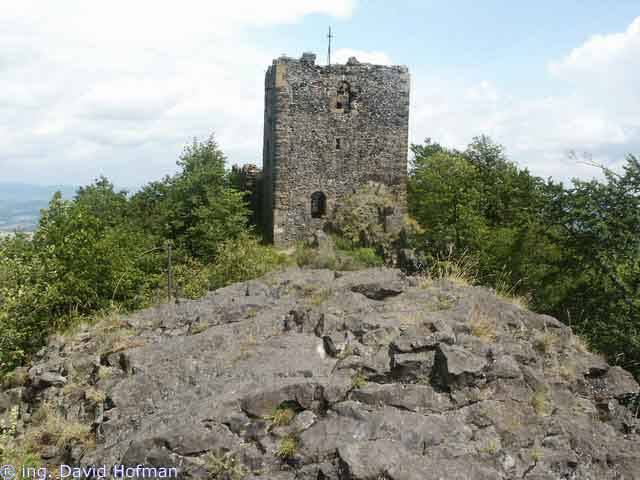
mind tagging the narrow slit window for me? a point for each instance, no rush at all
(318, 205)
(338, 144)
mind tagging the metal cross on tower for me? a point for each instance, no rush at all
(329, 36)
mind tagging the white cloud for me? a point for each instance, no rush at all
(602, 52)
(376, 57)
(600, 114)
(117, 88)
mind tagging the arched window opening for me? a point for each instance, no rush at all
(318, 205)
(344, 96)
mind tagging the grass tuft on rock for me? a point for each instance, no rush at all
(54, 429)
(287, 447)
(484, 328)
(541, 402)
(282, 416)
(224, 467)
(358, 381)
(545, 342)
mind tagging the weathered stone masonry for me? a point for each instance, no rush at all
(328, 130)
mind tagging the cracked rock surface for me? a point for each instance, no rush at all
(382, 376)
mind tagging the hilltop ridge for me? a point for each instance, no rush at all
(316, 374)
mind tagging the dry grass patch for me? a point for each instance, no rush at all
(319, 297)
(579, 343)
(491, 447)
(460, 271)
(583, 406)
(246, 349)
(484, 328)
(545, 342)
(564, 368)
(518, 300)
(73, 389)
(541, 402)
(126, 343)
(105, 373)
(536, 454)
(94, 395)
(225, 467)
(282, 416)
(198, 328)
(52, 429)
(568, 371)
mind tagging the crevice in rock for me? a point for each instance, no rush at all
(375, 292)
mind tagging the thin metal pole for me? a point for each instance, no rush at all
(329, 48)
(169, 272)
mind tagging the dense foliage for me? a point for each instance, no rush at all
(573, 251)
(106, 249)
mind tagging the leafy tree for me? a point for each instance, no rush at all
(198, 207)
(104, 248)
(597, 225)
(574, 251)
(23, 325)
(243, 258)
(444, 196)
(83, 257)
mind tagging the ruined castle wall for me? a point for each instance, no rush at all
(330, 129)
(268, 157)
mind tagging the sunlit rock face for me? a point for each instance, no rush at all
(315, 374)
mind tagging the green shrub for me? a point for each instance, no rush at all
(358, 216)
(242, 259)
(306, 256)
(105, 250)
(345, 256)
(366, 256)
(191, 278)
(197, 208)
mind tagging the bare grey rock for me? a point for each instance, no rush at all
(382, 378)
(43, 379)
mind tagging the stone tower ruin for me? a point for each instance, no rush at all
(327, 131)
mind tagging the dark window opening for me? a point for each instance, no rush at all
(318, 205)
(337, 144)
(344, 97)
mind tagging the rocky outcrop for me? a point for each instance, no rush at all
(313, 374)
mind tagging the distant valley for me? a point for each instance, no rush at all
(20, 204)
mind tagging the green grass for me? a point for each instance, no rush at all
(541, 402)
(287, 447)
(345, 256)
(282, 416)
(358, 381)
(224, 467)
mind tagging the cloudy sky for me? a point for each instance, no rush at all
(117, 88)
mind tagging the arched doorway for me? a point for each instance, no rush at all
(318, 205)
